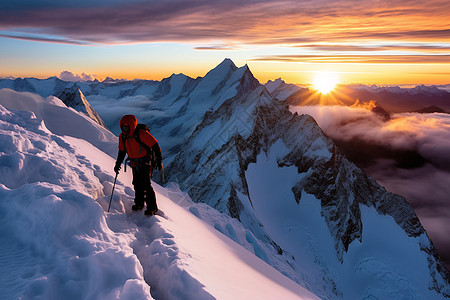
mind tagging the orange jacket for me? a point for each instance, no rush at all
(131, 146)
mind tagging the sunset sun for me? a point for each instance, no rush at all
(325, 81)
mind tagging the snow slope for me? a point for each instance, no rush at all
(59, 119)
(385, 264)
(57, 241)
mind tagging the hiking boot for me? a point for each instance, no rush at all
(136, 207)
(149, 212)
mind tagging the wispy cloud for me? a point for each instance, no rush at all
(411, 35)
(375, 48)
(45, 39)
(255, 21)
(383, 59)
(217, 47)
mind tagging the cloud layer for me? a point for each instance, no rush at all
(426, 186)
(426, 134)
(112, 110)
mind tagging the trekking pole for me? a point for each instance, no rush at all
(162, 173)
(112, 193)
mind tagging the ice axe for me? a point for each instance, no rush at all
(112, 193)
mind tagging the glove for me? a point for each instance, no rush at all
(117, 167)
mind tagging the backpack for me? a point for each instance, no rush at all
(136, 136)
(150, 153)
(138, 139)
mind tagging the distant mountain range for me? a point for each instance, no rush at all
(173, 107)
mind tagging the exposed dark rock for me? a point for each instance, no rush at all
(73, 97)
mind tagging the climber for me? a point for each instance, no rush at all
(144, 154)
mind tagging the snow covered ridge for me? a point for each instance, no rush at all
(254, 160)
(57, 241)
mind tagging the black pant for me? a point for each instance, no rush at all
(143, 187)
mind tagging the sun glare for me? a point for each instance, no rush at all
(325, 81)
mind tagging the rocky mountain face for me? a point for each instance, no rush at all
(212, 167)
(73, 97)
(212, 163)
(181, 102)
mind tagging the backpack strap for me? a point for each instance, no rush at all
(124, 139)
(144, 145)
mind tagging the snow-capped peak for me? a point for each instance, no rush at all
(224, 66)
(73, 97)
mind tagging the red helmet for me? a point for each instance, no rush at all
(128, 124)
